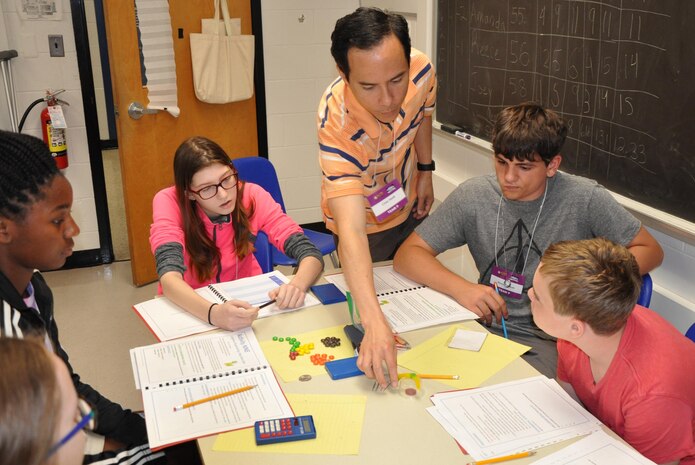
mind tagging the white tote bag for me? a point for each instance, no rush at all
(222, 60)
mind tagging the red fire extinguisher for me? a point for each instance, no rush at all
(54, 137)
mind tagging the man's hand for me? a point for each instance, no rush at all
(425, 194)
(378, 350)
(482, 300)
(233, 315)
(287, 296)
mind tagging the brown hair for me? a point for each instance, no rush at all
(527, 129)
(193, 155)
(29, 402)
(595, 280)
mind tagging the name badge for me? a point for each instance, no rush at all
(387, 200)
(508, 283)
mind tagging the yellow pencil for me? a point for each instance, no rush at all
(504, 458)
(215, 397)
(438, 376)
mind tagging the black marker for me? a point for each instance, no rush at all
(270, 302)
(455, 130)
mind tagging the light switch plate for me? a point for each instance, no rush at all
(55, 46)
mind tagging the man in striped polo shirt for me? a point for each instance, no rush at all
(375, 140)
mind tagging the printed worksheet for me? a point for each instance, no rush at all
(598, 448)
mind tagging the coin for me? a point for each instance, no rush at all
(305, 378)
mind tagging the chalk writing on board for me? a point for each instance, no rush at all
(619, 72)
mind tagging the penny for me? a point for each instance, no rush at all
(305, 378)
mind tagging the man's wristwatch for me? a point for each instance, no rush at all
(425, 166)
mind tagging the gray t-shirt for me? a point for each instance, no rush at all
(575, 208)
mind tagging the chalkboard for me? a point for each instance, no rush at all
(620, 72)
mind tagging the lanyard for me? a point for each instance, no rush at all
(533, 232)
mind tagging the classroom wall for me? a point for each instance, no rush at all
(298, 68)
(34, 71)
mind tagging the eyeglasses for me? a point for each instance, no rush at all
(87, 422)
(209, 192)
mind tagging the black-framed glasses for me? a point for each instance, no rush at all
(87, 422)
(209, 192)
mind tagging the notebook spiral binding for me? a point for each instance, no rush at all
(217, 293)
(400, 291)
(212, 376)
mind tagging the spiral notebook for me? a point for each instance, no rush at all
(408, 305)
(169, 321)
(174, 373)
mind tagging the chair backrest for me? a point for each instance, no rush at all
(263, 252)
(645, 294)
(690, 333)
(259, 170)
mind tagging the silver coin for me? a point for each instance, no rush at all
(305, 378)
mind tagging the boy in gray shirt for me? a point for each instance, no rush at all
(508, 220)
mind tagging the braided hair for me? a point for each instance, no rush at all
(26, 166)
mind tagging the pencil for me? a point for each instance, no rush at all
(504, 325)
(504, 458)
(270, 302)
(438, 376)
(215, 397)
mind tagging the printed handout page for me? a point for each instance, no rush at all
(169, 321)
(598, 448)
(254, 290)
(165, 426)
(174, 373)
(408, 305)
(195, 358)
(511, 417)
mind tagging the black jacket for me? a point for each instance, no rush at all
(18, 320)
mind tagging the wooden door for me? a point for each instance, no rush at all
(146, 146)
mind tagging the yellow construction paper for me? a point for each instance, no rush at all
(277, 353)
(338, 420)
(434, 356)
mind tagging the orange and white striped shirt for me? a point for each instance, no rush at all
(358, 155)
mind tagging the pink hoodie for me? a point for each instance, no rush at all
(268, 216)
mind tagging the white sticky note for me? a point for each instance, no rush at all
(467, 340)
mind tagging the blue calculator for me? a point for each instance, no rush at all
(284, 429)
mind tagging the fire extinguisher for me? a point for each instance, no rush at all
(53, 128)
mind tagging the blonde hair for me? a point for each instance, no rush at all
(595, 280)
(29, 402)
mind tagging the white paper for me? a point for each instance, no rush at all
(512, 417)
(467, 340)
(169, 321)
(598, 448)
(408, 305)
(173, 373)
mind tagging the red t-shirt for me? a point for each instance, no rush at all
(647, 396)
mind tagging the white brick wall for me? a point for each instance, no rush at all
(298, 68)
(35, 71)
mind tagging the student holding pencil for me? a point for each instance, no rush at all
(509, 218)
(203, 232)
(629, 367)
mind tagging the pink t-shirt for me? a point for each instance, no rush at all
(647, 396)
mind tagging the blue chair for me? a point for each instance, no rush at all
(645, 294)
(263, 252)
(261, 171)
(690, 333)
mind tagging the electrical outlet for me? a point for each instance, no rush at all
(55, 46)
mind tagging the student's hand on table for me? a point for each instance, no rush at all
(287, 296)
(378, 346)
(425, 194)
(233, 315)
(484, 301)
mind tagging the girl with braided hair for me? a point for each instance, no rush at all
(36, 232)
